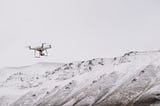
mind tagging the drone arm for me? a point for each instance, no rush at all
(43, 44)
(30, 48)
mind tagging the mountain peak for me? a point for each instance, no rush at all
(123, 81)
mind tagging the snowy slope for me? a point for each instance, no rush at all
(130, 80)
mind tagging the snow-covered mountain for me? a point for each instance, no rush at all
(130, 80)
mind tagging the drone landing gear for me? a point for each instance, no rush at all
(46, 53)
(36, 54)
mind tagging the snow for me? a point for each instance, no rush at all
(96, 82)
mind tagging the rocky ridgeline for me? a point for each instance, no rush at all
(130, 80)
(22, 81)
(73, 69)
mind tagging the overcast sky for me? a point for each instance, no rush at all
(77, 29)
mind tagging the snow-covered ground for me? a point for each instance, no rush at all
(130, 80)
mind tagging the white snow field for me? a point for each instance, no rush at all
(130, 80)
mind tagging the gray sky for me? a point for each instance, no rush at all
(77, 29)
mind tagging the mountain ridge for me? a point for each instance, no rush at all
(129, 80)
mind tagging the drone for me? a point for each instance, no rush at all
(40, 50)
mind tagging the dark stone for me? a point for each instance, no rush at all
(134, 79)
(34, 95)
(70, 64)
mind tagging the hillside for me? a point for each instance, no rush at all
(130, 80)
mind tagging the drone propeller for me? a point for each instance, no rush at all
(27, 47)
(43, 44)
